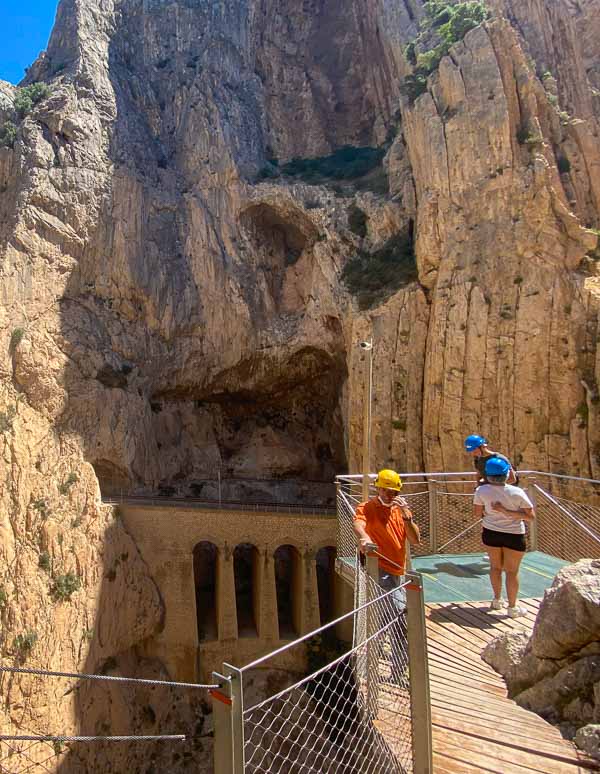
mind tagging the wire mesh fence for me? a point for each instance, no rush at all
(351, 713)
(567, 523)
(565, 528)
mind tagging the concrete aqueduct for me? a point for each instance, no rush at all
(235, 584)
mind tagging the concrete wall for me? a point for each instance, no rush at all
(166, 537)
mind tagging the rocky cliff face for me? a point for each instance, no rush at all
(170, 309)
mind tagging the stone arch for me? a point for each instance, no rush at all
(285, 540)
(246, 574)
(326, 580)
(288, 567)
(206, 556)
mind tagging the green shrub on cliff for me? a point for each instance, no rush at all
(8, 135)
(64, 586)
(357, 220)
(346, 163)
(29, 96)
(442, 26)
(373, 277)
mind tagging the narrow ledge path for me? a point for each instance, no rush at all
(476, 727)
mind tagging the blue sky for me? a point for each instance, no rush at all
(25, 26)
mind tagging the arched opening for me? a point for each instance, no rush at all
(112, 479)
(326, 583)
(205, 582)
(287, 583)
(245, 568)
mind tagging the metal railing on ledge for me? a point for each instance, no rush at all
(361, 708)
(165, 501)
(567, 523)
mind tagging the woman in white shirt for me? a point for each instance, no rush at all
(504, 509)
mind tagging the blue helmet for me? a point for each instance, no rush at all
(473, 442)
(496, 466)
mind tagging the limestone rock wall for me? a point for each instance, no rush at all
(498, 248)
(166, 313)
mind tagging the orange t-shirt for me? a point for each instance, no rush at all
(385, 526)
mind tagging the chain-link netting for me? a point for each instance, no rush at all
(349, 715)
(22, 756)
(565, 528)
(567, 523)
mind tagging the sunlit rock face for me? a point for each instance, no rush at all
(177, 303)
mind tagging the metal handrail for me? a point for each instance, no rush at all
(566, 512)
(425, 474)
(190, 502)
(351, 614)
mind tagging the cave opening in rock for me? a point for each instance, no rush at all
(278, 237)
(325, 561)
(112, 479)
(245, 568)
(287, 582)
(205, 583)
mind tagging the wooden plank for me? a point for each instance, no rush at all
(480, 760)
(465, 658)
(452, 680)
(518, 736)
(447, 662)
(532, 605)
(500, 616)
(438, 639)
(471, 697)
(464, 646)
(446, 677)
(509, 756)
(458, 623)
(482, 626)
(476, 727)
(441, 708)
(445, 712)
(446, 764)
(501, 619)
(454, 668)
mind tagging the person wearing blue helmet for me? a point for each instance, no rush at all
(504, 509)
(477, 446)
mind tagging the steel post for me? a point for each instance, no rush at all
(533, 525)
(237, 717)
(433, 516)
(373, 623)
(420, 700)
(223, 724)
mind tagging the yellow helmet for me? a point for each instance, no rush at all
(388, 479)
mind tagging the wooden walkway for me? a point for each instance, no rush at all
(476, 727)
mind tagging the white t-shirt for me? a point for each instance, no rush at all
(512, 497)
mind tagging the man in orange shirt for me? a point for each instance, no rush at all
(387, 521)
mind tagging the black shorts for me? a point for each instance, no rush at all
(494, 539)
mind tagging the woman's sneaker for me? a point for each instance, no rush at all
(516, 611)
(497, 604)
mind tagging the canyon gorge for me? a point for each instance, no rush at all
(202, 215)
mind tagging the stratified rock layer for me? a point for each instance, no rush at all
(169, 315)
